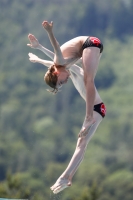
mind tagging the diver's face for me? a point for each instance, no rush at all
(63, 77)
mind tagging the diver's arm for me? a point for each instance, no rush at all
(58, 58)
(34, 43)
(47, 52)
(33, 58)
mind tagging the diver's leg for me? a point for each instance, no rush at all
(65, 180)
(90, 64)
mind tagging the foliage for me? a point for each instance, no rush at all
(38, 131)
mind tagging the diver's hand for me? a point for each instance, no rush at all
(47, 26)
(33, 58)
(33, 42)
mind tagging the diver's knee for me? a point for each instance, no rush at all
(81, 142)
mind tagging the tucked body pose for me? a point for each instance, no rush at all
(77, 76)
(85, 47)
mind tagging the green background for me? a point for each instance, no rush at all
(38, 131)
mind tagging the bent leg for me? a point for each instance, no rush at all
(91, 57)
(77, 77)
(65, 180)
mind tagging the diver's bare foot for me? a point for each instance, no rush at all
(86, 126)
(60, 185)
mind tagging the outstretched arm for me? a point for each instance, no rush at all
(34, 43)
(58, 58)
(33, 58)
